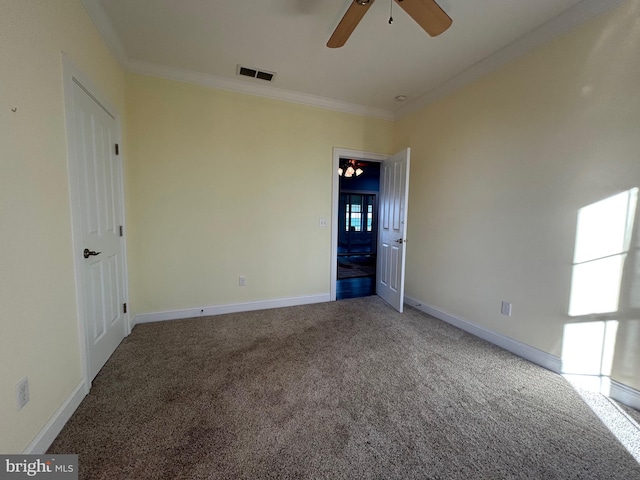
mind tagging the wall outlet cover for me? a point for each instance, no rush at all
(22, 393)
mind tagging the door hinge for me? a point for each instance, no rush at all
(117, 149)
(121, 231)
(124, 308)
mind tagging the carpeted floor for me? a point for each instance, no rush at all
(632, 412)
(346, 389)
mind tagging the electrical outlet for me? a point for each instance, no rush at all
(22, 393)
(242, 281)
(505, 309)
(324, 222)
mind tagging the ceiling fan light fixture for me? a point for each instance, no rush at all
(359, 172)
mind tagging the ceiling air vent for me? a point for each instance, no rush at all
(255, 73)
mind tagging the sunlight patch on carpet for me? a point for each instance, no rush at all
(623, 427)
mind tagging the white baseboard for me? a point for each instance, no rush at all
(230, 308)
(618, 391)
(625, 394)
(53, 427)
(544, 359)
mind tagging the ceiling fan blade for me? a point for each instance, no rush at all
(427, 14)
(348, 24)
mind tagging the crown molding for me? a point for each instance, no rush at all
(111, 38)
(248, 88)
(105, 27)
(571, 18)
(578, 14)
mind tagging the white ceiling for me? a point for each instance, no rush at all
(204, 40)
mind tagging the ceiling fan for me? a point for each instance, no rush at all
(426, 13)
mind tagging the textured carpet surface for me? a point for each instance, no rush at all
(632, 412)
(346, 389)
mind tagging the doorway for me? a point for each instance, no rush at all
(97, 209)
(392, 199)
(357, 234)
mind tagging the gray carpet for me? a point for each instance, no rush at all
(632, 412)
(346, 389)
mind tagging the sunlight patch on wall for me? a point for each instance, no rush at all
(588, 348)
(603, 237)
(596, 286)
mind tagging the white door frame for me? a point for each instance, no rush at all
(72, 75)
(339, 153)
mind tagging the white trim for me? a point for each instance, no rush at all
(617, 391)
(625, 394)
(230, 308)
(249, 88)
(404, 220)
(544, 359)
(105, 27)
(56, 423)
(576, 15)
(335, 192)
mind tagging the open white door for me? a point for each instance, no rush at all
(392, 231)
(98, 214)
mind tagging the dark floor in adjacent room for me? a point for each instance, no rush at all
(356, 276)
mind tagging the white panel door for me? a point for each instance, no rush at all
(101, 285)
(392, 229)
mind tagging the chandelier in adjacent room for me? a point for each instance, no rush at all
(349, 168)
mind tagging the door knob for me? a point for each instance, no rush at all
(88, 253)
(400, 240)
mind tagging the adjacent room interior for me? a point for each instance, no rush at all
(357, 228)
(522, 233)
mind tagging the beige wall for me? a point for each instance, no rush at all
(223, 184)
(38, 321)
(500, 169)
